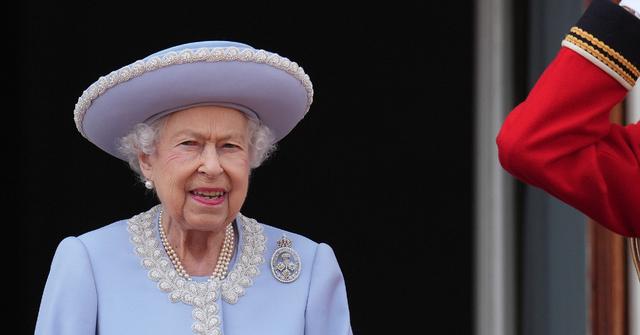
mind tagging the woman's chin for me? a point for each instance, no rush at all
(207, 219)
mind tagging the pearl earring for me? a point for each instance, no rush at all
(148, 184)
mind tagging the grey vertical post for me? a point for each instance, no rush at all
(494, 215)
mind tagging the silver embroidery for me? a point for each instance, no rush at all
(224, 54)
(203, 296)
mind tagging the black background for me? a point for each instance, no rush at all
(380, 168)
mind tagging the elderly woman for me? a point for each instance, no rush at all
(192, 121)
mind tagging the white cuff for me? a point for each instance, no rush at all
(633, 4)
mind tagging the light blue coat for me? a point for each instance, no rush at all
(98, 285)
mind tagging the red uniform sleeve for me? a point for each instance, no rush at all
(560, 139)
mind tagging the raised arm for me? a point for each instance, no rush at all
(560, 138)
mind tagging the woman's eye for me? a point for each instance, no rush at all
(189, 143)
(229, 145)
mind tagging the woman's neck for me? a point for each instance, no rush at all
(198, 250)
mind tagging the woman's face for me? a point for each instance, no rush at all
(200, 168)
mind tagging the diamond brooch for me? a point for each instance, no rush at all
(285, 262)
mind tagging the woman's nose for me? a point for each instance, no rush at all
(210, 163)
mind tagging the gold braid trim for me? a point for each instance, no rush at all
(604, 59)
(634, 250)
(606, 48)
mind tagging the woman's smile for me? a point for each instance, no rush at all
(208, 196)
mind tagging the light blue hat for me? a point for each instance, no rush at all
(262, 84)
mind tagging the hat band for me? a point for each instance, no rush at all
(244, 109)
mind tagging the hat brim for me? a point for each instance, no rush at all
(278, 98)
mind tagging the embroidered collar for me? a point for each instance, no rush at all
(202, 296)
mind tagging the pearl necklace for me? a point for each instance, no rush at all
(224, 258)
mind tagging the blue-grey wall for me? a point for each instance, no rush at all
(553, 267)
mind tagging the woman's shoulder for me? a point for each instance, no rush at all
(93, 247)
(113, 231)
(307, 248)
(274, 234)
(315, 259)
(105, 239)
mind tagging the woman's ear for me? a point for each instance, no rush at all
(145, 165)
